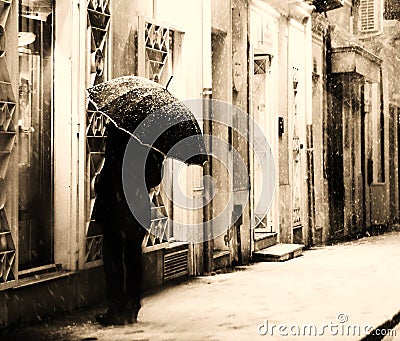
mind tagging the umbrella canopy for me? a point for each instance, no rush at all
(151, 114)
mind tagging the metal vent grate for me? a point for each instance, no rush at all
(175, 265)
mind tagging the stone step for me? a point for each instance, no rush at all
(221, 259)
(279, 253)
(263, 239)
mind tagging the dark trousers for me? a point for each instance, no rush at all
(123, 268)
(123, 234)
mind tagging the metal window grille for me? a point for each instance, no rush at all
(8, 266)
(154, 46)
(158, 233)
(155, 59)
(98, 23)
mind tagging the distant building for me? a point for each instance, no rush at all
(354, 129)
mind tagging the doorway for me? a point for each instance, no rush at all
(392, 163)
(335, 159)
(398, 154)
(261, 112)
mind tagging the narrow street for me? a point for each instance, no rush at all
(353, 284)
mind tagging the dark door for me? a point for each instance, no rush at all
(392, 164)
(364, 166)
(335, 159)
(398, 154)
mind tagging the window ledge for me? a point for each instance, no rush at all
(175, 244)
(164, 246)
(41, 278)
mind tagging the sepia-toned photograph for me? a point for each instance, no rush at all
(199, 170)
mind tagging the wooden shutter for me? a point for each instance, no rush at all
(371, 15)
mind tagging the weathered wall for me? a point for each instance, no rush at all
(321, 219)
(221, 44)
(36, 301)
(240, 98)
(285, 197)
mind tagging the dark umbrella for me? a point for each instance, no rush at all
(151, 114)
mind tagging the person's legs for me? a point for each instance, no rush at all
(133, 269)
(113, 264)
(113, 248)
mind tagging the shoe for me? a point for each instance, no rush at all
(109, 319)
(131, 313)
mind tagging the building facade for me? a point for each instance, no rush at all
(317, 77)
(280, 99)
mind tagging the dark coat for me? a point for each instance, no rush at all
(111, 206)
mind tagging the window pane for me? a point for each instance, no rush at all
(35, 44)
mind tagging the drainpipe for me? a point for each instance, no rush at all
(207, 128)
(250, 130)
(309, 131)
(155, 9)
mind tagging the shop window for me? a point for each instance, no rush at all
(35, 50)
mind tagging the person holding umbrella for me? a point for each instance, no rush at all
(123, 234)
(128, 102)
